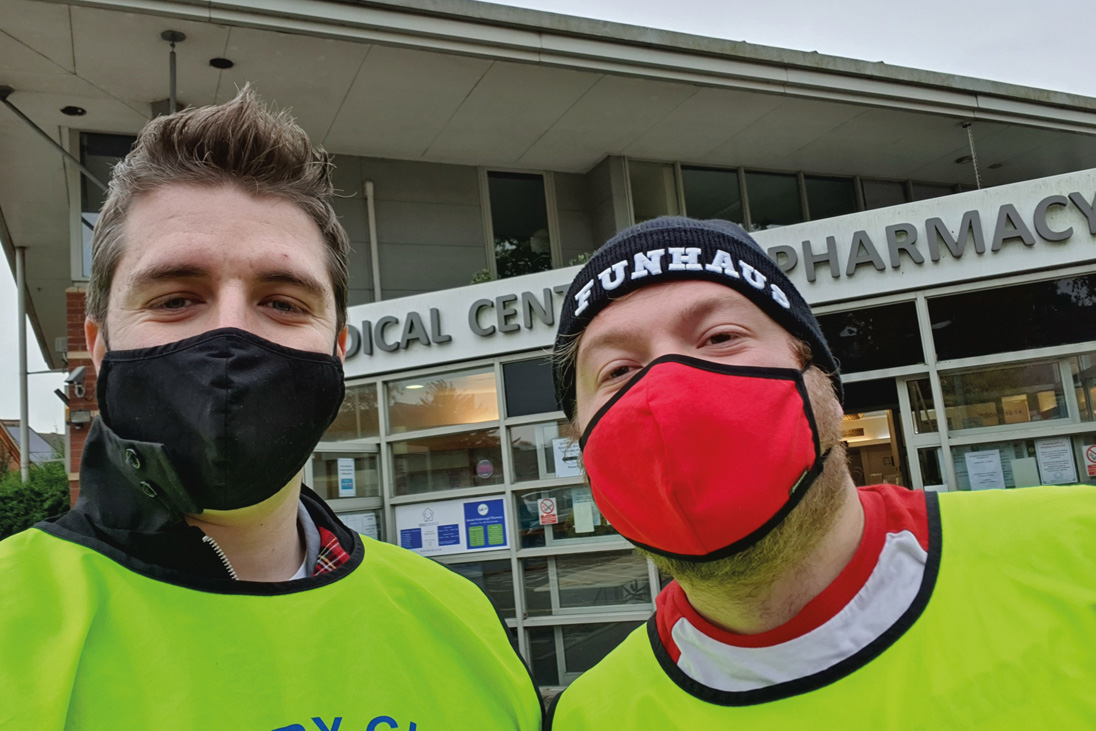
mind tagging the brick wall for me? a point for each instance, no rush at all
(78, 355)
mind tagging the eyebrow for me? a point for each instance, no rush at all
(162, 272)
(167, 272)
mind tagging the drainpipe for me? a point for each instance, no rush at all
(374, 253)
(21, 313)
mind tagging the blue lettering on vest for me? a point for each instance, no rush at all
(323, 726)
(386, 720)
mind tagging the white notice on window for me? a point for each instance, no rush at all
(984, 470)
(567, 456)
(1056, 466)
(346, 476)
(362, 523)
(583, 504)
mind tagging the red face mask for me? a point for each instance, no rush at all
(697, 460)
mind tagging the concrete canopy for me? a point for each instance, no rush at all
(477, 84)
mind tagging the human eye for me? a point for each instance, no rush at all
(616, 373)
(284, 306)
(172, 303)
(720, 337)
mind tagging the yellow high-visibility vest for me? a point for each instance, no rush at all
(399, 642)
(1005, 638)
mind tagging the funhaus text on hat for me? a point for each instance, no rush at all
(673, 249)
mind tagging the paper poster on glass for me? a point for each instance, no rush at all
(445, 527)
(362, 523)
(984, 470)
(1056, 465)
(567, 457)
(346, 476)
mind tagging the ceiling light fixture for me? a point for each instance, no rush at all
(963, 160)
(72, 111)
(221, 63)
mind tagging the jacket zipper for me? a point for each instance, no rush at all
(221, 555)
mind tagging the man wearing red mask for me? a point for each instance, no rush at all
(709, 406)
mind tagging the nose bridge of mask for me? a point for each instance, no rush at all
(624, 448)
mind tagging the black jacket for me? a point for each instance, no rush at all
(131, 509)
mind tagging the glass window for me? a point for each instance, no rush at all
(585, 583)
(774, 200)
(883, 193)
(1023, 463)
(358, 416)
(872, 338)
(1036, 315)
(1003, 395)
(447, 462)
(528, 386)
(828, 197)
(922, 405)
(99, 153)
(932, 470)
(519, 221)
(712, 193)
(1084, 383)
(345, 474)
(582, 645)
(925, 191)
(545, 451)
(495, 578)
(445, 399)
(654, 190)
(577, 517)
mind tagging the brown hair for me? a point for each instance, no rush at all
(241, 142)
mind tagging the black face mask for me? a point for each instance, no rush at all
(237, 415)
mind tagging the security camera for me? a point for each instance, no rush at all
(76, 380)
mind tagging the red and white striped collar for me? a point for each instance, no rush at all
(875, 589)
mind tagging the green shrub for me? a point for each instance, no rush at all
(45, 495)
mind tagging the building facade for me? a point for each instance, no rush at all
(483, 152)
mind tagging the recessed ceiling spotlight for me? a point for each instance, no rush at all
(996, 166)
(72, 111)
(221, 63)
(413, 386)
(963, 160)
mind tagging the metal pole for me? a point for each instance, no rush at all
(172, 37)
(4, 92)
(174, 104)
(21, 311)
(374, 247)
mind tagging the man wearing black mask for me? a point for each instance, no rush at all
(197, 583)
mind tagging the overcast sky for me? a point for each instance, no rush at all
(1045, 44)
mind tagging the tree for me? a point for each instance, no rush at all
(46, 494)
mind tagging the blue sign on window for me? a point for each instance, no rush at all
(449, 535)
(411, 538)
(485, 523)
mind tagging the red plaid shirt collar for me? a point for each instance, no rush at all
(332, 555)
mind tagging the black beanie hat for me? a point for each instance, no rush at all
(671, 249)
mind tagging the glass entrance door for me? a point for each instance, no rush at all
(872, 431)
